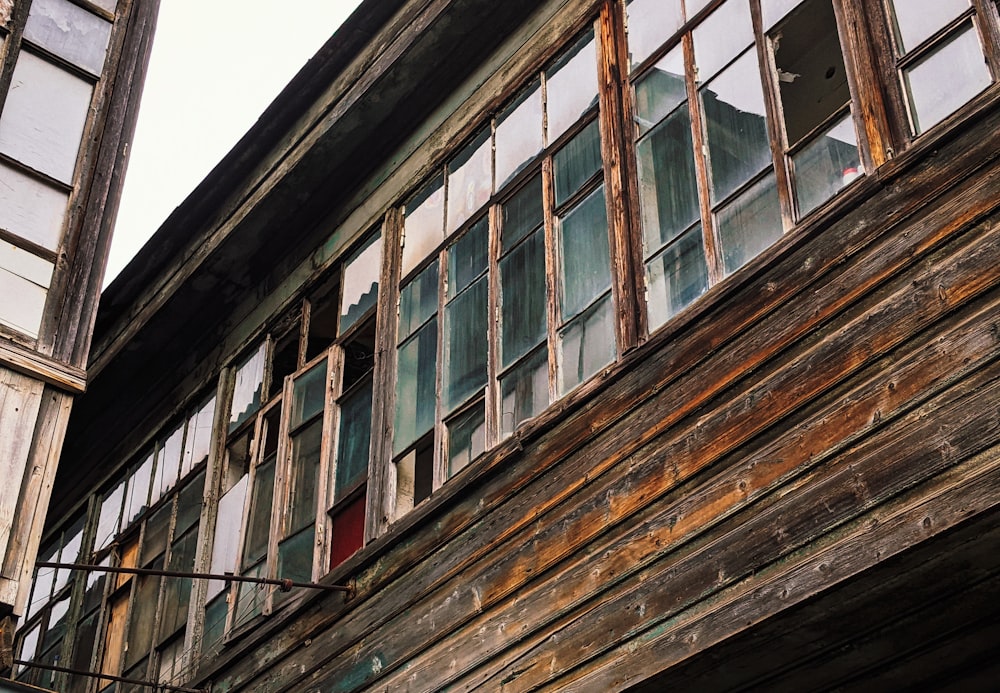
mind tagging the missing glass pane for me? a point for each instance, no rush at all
(414, 476)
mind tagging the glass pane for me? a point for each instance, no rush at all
(695, 6)
(522, 299)
(94, 591)
(650, 24)
(465, 346)
(247, 388)
(168, 463)
(41, 591)
(43, 117)
(721, 37)
(361, 283)
(24, 281)
(154, 540)
(468, 257)
(660, 90)
(586, 345)
(415, 387)
(348, 531)
(70, 32)
(215, 624)
(946, 79)
(170, 666)
(29, 646)
(668, 186)
(72, 543)
(199, 436)
(524, 391)
(466, 438)
(295, 556)
(811, 74)
(424, 223)
(308, 394)
(189, 504)
(355, 439)
(916, 20)
(177, 592)
(107, 523)
(738, 144)
(522, 214)
(577, 162)
(140, 624)
(31, 209)
(418, 301)
(749, 224)
(304, 478)
(676, 277)
(773, 10)
(571, 86)
(225, 546)
(259, 520)
(584, 255)
(250, 597)
(825, 165)
(470, 179)
(108, 5)
(84, 641)
(137, 498)
(57, 623)
(519, 134)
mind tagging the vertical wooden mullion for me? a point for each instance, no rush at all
(874, 22)
(713, 251)
(280, 493)
(552, 273)
(439, 474)
(323, 540)
(492, 403)
(989, 28)
(253, 455)
(774, 118)
(867, 82)
(616, 114)
(381, 489)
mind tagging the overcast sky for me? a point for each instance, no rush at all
(216, 65)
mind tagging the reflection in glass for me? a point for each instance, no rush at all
(749, 224)
(773, 10)
(227, 533)
(522, 214)
(586, 345)
(70, 32)
(250, 597)
(917, 20)
(519, 134)
(826, 165)
(418, 301)
(424, 223)
(676, 277)
(465, 346)
(107, 523)
(177, 593)
(360, 283)
(738, 144)
(189, 502)
(577, 162)
(295, 556)
(584, 254)
(137, 498)
(304, 476)
(467, 257)
(661, 90)
(308, 394)
(721, 37)
(247, 388)
(571, 86)
(140, 623)
(522, 299)
(946, 79)
(354, 440)
(415, 388)
(470, 179)
(466, 438)
(524, 391)
(668, 187)
(31, 209)
(650, 24)
(44, 116)
(199, 435)
(259, 519)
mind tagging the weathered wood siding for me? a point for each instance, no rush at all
(827, 408)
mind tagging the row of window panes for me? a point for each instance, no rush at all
(41, 127)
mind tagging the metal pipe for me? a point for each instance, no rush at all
(109, 677)
(285, 584)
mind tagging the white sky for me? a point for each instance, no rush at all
(215, 66)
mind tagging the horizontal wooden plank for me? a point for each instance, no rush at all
(31, 363)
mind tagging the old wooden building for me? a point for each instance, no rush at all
(70, 78)
(589, 345)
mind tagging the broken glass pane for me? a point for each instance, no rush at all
(361, 276)
(199, 436)
(586, 345)
(247, 388)
(660, 90)
(70, 32)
